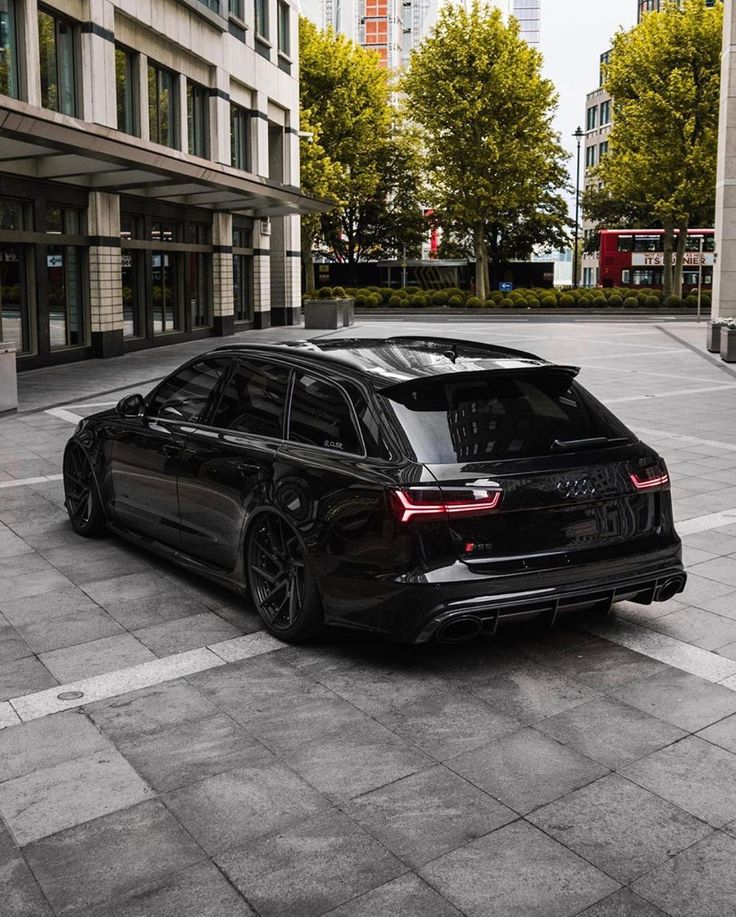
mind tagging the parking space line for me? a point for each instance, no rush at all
(24, 482)
(724, 387)
(63, 414)
(685, 438)
(144, 675)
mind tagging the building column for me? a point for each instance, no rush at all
(259, 135)
(223, 307)
(30, 53)
(144, 126)
(105, 277)
(724, 274)
(182, 113)
(220, 117)
(99, 104)
(285, 271)
(262, 273)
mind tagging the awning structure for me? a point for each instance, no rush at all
(51, 147)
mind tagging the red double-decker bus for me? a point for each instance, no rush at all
(635, 258)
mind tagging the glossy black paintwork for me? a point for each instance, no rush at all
(568, 523)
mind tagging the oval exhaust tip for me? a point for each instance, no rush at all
(459, 630)
(668, 589)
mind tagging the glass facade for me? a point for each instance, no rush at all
(284, 36)
(198, 119)
(57, 58)
(261, 17)
(14, 317)
(162, 106)
(243, 275)
(239, 137)
(8, 49)
(125, 91)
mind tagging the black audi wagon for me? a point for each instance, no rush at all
(413, 487)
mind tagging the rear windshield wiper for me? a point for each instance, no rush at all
(589, 442)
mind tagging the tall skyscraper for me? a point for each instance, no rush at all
(654, 6)
(528, 12)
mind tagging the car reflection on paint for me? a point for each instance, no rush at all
(411, 487)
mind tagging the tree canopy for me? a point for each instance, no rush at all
(664, 76)
(494, 162)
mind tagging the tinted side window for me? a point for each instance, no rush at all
(184, 395)
(321, 416)
(252, 400)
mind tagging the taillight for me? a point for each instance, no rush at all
(431, 503)
(656, 480)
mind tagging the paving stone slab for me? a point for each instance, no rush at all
(698, 881)
(169, 637)
(129, 586)
(426, 815)
(80, 626)
(110, 857)
(32, 610)
(623, 903)
(46, 742)
(46, 801)
(698, 627)
(23, 676)
(695, 775)
(681, 699)
(309, 868)
(619, 827)
(12, 646)
(97, 657)
(21, 895)
(610, 732)
(153, 609)
(243, 804)
(517, 871)
(407, 896)
(722, 733)
(526, 769)
(196, 891)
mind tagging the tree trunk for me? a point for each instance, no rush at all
(481, 261)
(682, 228)
(308, 260)
(668, 240)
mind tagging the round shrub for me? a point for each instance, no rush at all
(455, 302)
(533, 303)
(310, 294)
(439, 298)
(496, 296)
(631, 302)
(361, 301)
(376, 299)
(652, 301)
(567, 300)
(506, 303)
(339, 292)
(473, 302)
(403, 292)
(419, 300)
(395, 301)
(384, 293)
(615, 301)
(549, 301)
(324, 293)
(674, 302)
(691, 301)
(586, 300)
(454, 291)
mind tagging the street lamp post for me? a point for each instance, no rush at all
(578, 135)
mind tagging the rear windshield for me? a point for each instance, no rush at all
(499, 417)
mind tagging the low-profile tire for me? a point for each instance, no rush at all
(81, 497)
(282, 583)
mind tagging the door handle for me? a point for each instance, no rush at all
(171, 449)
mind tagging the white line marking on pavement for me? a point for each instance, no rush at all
(707, 522)
(24, 482)
(681, 391)
(693, 659)
(63, 414)
(145, 675)
(684, 438)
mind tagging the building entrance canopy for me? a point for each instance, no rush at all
(50, 147)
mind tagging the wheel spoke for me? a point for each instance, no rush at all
(293, 601)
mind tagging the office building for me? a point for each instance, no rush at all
(149, 173)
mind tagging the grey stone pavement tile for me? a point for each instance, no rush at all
(12, 646)
(610, 732)
(182, 634)
(309, 868)
(623, 903)
(24, 676)
(696, 775)
(517, 871)
(407, 896)
(195, 891)
(526, 769)
(110, 857)
(426, 815)
(619, 827)
(153, 609)
(698, 627)
(128, 586)
(31, 610)
(67, 794)
(698, 881)
(21, 895)
(681, 699)
(722, 733)
(243, 804)
(107, 654)
(76, 627)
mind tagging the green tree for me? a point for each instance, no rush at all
(476, 89)
(664, 76)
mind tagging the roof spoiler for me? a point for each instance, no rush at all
(395, 389)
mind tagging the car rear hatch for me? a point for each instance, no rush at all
(532, 472)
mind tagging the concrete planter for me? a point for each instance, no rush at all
(8, 379)
(713, 340)
(728, 345)
(329, 314)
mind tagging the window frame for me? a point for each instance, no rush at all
(73, 27)
(235, 360)
(314, 373)
(214, 393)
(14, 46)
(283, 8)
(174, 131)
(199, 96)
(132, 71)
(244, 136)
(262, 24)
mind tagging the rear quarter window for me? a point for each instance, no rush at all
(506, 417)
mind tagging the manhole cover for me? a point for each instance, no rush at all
(70, 695)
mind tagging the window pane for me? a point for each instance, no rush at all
(284, 38)
(64, 296)
(184, 395)
(47, 50)
(8, 49)
(242, 287)
(321, 416)
(197, 119)
(198, 288)
(161, 106)
(239, 138)
(253, 399)
(164, 294)
(131, 265)
(124, 90)
(262, 18)
(14, 318)
(65, 57)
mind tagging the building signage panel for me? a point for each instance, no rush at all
(656, 259)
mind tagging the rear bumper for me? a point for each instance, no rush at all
(414, 609)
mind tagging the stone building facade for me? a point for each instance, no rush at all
(149, 173)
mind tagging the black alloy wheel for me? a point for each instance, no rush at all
(81, 498)
(282, 585)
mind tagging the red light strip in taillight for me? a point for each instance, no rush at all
(649, 483)
(409, 510)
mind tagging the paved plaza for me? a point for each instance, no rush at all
(161, 755)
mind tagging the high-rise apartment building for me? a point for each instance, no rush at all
(653, 6)
(149, 173)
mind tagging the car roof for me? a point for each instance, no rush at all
(393, 360)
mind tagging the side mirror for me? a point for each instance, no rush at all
(130, 406)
